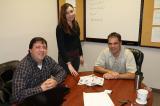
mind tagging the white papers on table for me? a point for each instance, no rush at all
(97, 99)
(91, 80)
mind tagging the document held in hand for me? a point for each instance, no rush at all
(97, 99)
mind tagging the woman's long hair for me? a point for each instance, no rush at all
(63, 20)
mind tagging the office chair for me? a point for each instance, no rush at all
(138, 55)
(6, 73)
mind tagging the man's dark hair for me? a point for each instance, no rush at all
(36, 39)
(114, 34)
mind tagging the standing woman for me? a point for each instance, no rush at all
(70, 54)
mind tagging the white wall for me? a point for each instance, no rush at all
(150, 66)
(20, 21)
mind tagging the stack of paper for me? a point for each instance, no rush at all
(91, 80)
(97, 99)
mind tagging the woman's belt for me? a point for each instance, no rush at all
(73, 53)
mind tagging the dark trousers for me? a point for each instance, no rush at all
(42, 99)
(75, 61)
(53, 97)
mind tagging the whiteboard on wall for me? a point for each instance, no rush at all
(106, 16)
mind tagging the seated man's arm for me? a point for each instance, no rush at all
(99, 65)
(116, 75)
(108, 74)
(58, 73)
(127, 75)
(101, 69)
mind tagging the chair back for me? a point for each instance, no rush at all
(6, 73)
(138, 55)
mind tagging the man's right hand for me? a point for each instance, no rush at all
(111, 75)
(48, 84)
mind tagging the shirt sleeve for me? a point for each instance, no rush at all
(60, 43)
(58, 72)
(101, 59)
(19, 88)
(130, 63)
(80, 47)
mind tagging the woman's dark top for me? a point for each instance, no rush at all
(69, 45)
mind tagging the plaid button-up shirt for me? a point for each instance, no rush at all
(28, 78)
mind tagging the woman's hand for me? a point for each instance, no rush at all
(72, 70)
(81, 60)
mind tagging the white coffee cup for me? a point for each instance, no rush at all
(142, 96)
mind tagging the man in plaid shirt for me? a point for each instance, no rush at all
(36, 74)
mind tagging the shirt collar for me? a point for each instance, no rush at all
(33, 61)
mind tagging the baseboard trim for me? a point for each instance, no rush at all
(156, 90)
